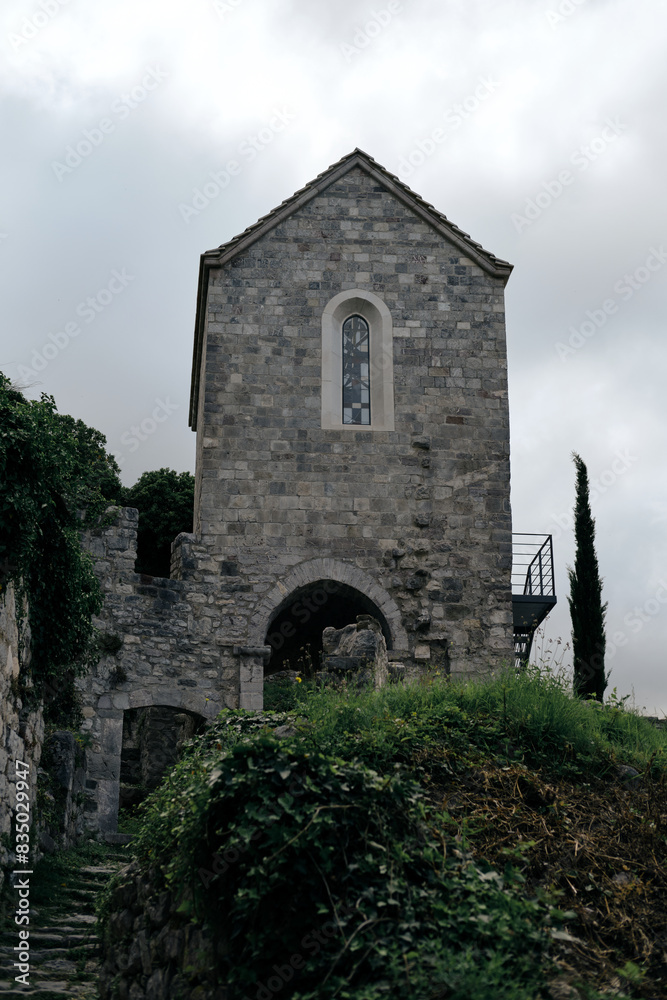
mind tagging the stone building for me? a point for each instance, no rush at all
(397, 490)
(349, 396)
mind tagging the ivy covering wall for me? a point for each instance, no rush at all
(52, 468)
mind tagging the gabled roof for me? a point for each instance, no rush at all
(357, 158)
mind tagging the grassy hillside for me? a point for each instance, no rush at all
(456, 841)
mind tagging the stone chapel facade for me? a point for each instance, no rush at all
(411, 509)
(349, 396)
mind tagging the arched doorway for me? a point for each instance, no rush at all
(295, 628)
(152, 741)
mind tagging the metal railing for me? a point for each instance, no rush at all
(533, 589)
(532, 565)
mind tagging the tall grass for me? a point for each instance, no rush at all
(531, 713)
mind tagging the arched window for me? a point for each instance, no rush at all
(357, 363)
(356, 371)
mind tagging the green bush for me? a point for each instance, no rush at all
(320, 844)
(286, 695)
(288, 852)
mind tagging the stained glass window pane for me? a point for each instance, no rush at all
(356, 372)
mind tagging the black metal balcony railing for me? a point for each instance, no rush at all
(533, 588)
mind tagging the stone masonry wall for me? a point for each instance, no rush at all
(423, 511)
(150, 950)
(195, 642)
(21, 735)
(62, 777)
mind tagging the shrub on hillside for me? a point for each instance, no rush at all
(324, 873)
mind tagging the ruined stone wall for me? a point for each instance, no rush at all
(172, 643)
(149, 949)
(21, 733)
(423, 510)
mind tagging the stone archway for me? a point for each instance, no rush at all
(103, 758)
(295, 631)
(315, 594)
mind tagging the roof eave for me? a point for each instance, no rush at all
(200, 320)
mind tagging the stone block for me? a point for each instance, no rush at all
(251, 674)
(251, 700)
(107, 805)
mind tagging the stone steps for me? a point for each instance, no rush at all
(64, 948)
(59, 984)
(48, 952)
(57, 937)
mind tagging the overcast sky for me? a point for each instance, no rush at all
(537, 126)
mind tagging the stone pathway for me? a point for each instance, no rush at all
(64, 947)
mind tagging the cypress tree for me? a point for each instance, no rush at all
(586, 608)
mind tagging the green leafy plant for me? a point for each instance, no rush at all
(286, 852)
(56, 479)
(277, 827)
(108, 643)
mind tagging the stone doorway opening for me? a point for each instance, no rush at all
(152, 742)
(295, 630)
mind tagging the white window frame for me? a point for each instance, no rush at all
(358, 302)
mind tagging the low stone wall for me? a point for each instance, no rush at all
(21, 733)
(197, 642)
(147, 945)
